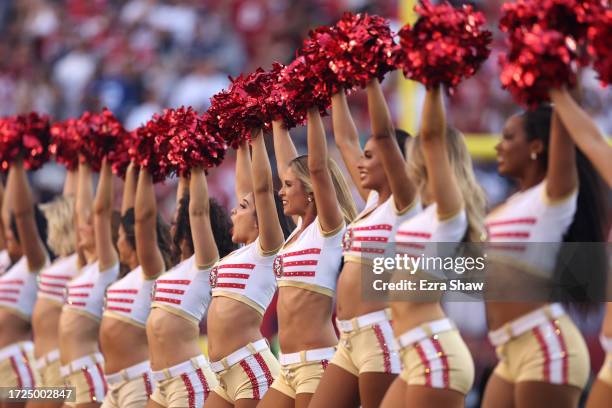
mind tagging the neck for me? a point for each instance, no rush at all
(384, 192)
(309, 216)
(90, 256)
(532, 177)
(252, 238)
(133, 264)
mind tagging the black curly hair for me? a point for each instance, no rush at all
(220, 223)
(41, 226)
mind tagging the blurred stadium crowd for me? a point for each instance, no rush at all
(136, 57)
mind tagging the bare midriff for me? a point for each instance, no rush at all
(304, 320)
(350, 303)
(78, 335)
(13, 328)
(231, 325)
(172, 339)
(45, 323)
(123, 344)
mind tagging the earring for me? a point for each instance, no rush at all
(309, 199)
(534, 155)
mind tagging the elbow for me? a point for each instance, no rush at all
(199, 210)
(386, 133)
(265, 187)
(142, 215)
(318, 171)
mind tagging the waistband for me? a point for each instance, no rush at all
(239, 355)
(425, 331)
(359, 322)
(307, 356)
(129, 373)
(16, 349)
(50, 357)
(525, 323)
(185, 367)
(606, 343)
(82, 363)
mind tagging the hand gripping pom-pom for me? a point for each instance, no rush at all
(445, 45)
(24, 136)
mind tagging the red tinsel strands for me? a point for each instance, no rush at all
(223, 118)
(600, 34)
(364, 49)
(65, 143)
(273, 107)
(543, 61)
(297, 90)
(119, 158)
(445, 45)
(151, 146)
(190, 145)
(100, 134)
(25, 136)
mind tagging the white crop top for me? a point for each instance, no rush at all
(526, 217)
(244, 275)
(86, 291)
(52, 281)
(18, 289)
(184, 291)
(129, 299)
(5, 261)
(368, 236)
(312, 261)
(421, 234)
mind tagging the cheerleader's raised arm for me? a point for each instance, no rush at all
(145, 214)
(204, 246)
(103, 212)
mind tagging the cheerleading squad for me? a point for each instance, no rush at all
(109, 303)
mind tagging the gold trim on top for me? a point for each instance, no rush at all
(176, 312)
(202, 268)
(115, 315)
(327, 234)
(449, 216)
(268, 253)
(358, 259)
(307, 286)
(553, 202)
(83, 313)
(17, 313)
(408, 207)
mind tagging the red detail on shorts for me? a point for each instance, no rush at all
(237, 266)
(169, 300)
(425, 362)
(444, 359)
(190, 391)
(324, 363)
(119, 309)
(254, 384)
(416, 234)
(27, 366)
(133, 291)
(265, 368)
(16, 370)
(545, 351)
(564, 350)
(231, 285)
(526, 220)
(205, 385)
(383, 346)
(90, 383)
(147, 384)
(309, 251)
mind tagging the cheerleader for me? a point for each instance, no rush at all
(307, 266)
(82, 362)
(181, 296)
(543, 357)
(52, 283)
(25, 235)
(367, 360)
(591, 142)
(438, 367)
(243, 286)
(123, 337)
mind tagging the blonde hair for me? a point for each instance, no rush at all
(461, 163)
(299, 165)
(61, 236)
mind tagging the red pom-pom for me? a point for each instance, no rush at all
(190, 145)
(444, 46)
(223, 118)
(272, 105)
(66, 143)
(151, 146)
(119, 157)
(101, 133)
(600, 34)
(541, 62)
(25, 136)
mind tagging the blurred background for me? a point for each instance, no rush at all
(138, 56)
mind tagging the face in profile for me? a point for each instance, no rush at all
(371, 173)
(293, 194)
(514, 150)
(86, 239)
(244, 219)
(126, 252)
(12, 246)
